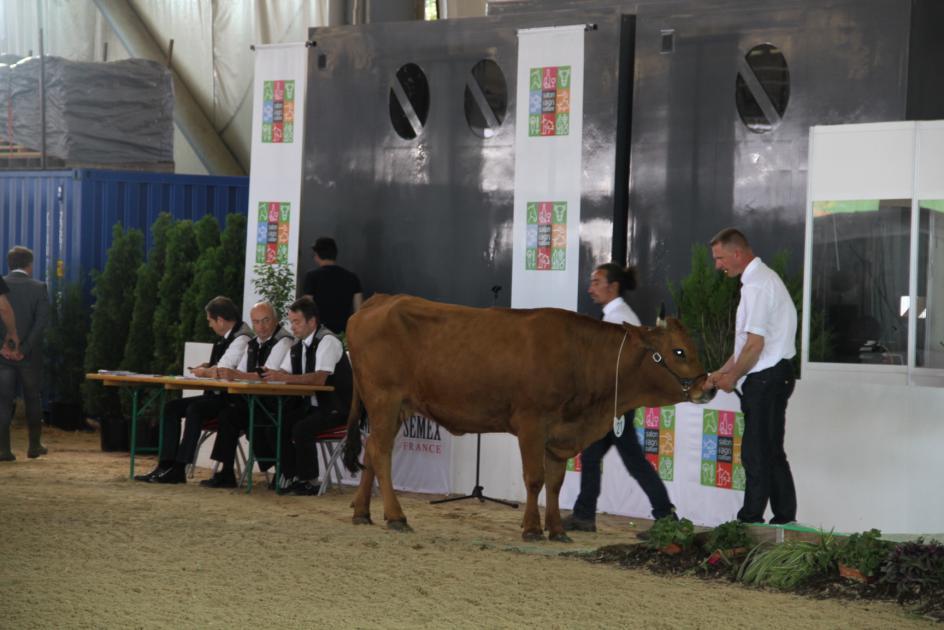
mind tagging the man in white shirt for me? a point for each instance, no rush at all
(764, 345)
(607, 285)
(224, 319)
(265, 352)
(318, 358)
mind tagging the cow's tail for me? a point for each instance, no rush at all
(352, 445)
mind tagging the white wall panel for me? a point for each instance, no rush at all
(872, 161)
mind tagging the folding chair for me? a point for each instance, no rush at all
(331, 446)
(209, 428)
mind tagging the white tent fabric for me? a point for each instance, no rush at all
(211, 48)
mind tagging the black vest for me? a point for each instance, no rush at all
(342, 379)
(222, 344)
(257, 354)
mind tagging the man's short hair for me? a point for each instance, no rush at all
(19, 257)
(731, 236)
(221, 307)
(306, 306)
(326, 248)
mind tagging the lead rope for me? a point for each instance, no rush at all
(616, 386)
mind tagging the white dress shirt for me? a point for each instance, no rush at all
(234, 352)
(617, 311)
(766, 309)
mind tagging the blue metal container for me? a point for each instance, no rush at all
(66, 216)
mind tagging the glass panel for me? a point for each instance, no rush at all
(859, 276)
(930, 330)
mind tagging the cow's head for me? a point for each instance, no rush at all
(674, 357)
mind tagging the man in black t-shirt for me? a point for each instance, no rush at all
(336, 291)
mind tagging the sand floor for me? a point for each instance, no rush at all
(81, 546)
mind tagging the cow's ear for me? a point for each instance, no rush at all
(672, 323)
(660, 318)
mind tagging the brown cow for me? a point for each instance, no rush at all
(545, 375)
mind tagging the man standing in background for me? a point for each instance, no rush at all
(30, 304)
(336, 291)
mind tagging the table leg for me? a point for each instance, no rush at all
(250, 462)
(278, 446)
(134, 427)
(160, 428)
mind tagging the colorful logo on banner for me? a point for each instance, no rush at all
(421, 435)
(722, 432)
(272, 232)
(549, 101)
(278, 111)
(546, 236)
(573, 464)
(655, 429)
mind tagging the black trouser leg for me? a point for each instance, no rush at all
(303, 435)
(764, 403)
(627, 445)
(7, 396)
(591, 472)
(31, 378)
(232, 420)
(173, 412)
(202, 408)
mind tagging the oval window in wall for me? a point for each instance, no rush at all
(486, 98)
(409, 101)
(763, 88)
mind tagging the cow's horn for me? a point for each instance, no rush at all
(660, 319)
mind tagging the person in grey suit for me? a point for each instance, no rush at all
(30, 304)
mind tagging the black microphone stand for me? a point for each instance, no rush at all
(478, 490)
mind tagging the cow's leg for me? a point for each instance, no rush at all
(531, 445)
(382, 436)
(554, 470)
(361, 502)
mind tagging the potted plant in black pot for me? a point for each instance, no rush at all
(65, 355)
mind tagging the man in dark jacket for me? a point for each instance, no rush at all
(224, 319)
(30, 305)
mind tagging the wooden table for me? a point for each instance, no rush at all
(250, 390)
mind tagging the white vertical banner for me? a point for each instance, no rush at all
(275, 177)
(548, 156)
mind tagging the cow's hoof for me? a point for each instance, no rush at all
(362, 520)
(532, 536)
(399, 526)
(562, 537)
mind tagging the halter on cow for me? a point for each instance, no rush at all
(551, 377)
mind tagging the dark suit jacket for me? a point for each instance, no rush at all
(30, 303)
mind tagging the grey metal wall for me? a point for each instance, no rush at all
(432, 216)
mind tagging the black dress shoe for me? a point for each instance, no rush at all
(34, 453)
(174, 474)
(305, 488)
(7, 457)
(151, 476)
(575, 524)
(220, 480)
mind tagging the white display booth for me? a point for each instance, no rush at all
(865, 428)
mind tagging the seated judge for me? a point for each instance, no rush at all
(317, 358)
(224, 319)
(266, 351)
